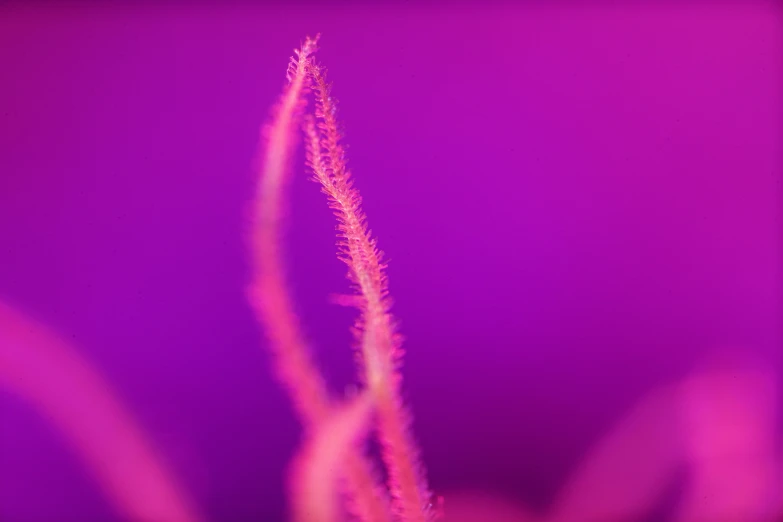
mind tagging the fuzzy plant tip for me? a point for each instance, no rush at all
(306, 105)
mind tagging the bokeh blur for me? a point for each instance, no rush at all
(581, 204)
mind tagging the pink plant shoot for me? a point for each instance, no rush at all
(720, 423)
(378, 342)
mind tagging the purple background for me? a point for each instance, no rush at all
(578, 203)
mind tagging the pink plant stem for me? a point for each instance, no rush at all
(270, 297)
(315, 470)
(50, 375)
(380, 345)
(269, 294)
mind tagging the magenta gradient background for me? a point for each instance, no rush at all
(578, 204)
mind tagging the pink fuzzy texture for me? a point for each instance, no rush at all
(620, 479)
(271, 299)
(379, 343)
(720, 422)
